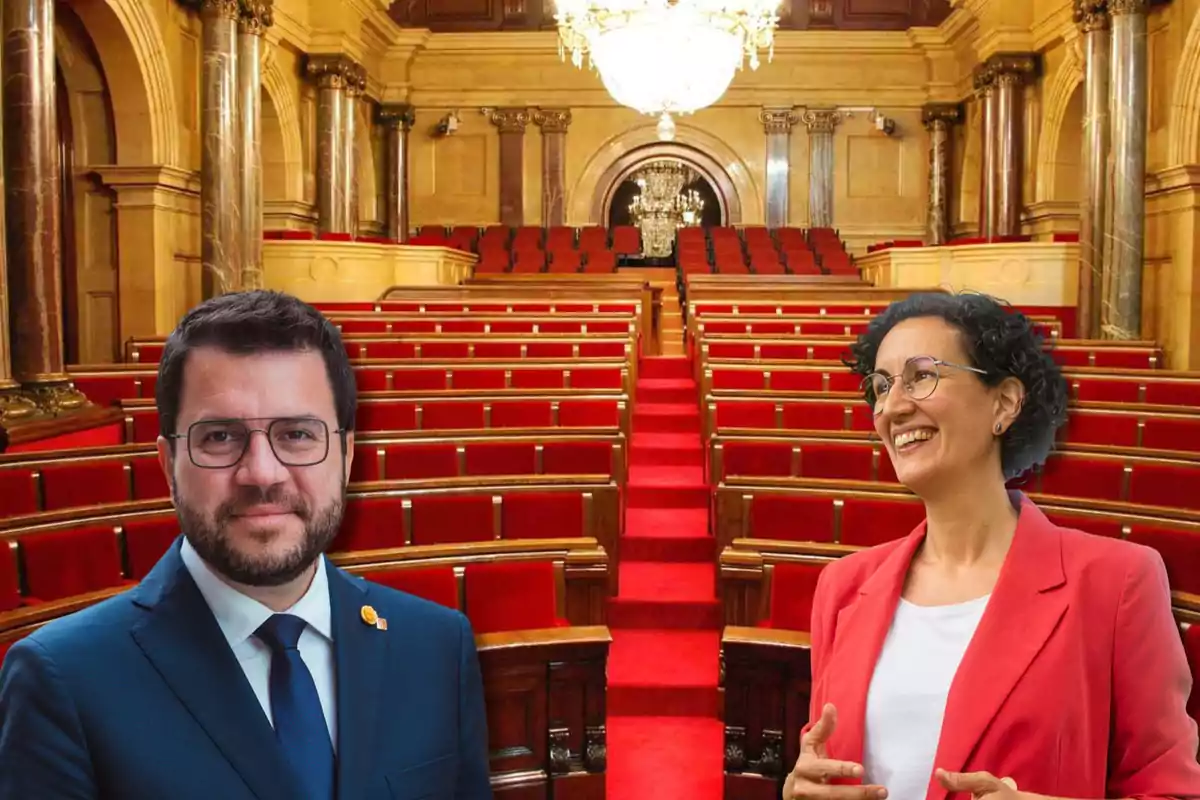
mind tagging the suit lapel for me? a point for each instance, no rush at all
(861, 630)
(183, 641)
(1023, 612)
(361, 654)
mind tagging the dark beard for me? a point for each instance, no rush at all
(209, 540)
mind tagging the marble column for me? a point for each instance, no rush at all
(356, 82)
(938, 119)
(985, 94)
(777, 125)
(1011, 70)
(1092, 18)
(32, 197)
(14, 406)
(220, 148)
(397, 121)
(554, 123)
(256, 17)
(331, 73)
(1121, 311)
(820, 123)
(511, 122)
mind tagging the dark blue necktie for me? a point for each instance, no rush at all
(300, 723)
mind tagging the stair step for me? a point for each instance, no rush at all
(663, 672)
(666, 418)
(665, 367)
(666, 487)
(666, 391)
(666, 522)
(666, 449)
(669, 549)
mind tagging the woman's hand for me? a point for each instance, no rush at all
(809, 779)
(980, 784)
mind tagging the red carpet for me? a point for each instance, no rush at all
(664, 729)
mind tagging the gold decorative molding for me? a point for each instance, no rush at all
(934, 114)
(1091, 15)
(397, 115)
(509, 120)
(15, 406)
(777, 120)
(53, 399)
(256, 16)
(552, 120)
(821, 120)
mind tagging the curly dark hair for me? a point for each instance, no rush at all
(999, 340)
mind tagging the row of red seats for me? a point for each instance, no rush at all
(82, 557)
(336, 310)
(621, 240)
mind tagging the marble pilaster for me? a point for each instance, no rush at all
(985, 94)
(1092, 18)
(821, 123)
(397, 121)
(1121, 309)
(331, 73)
(220, 148)
(938, 118)
(32, 205)
(511, 123)
(255, 18)
(14, 406)
(777, 125)
(553, 123)
(1011, 71)
(351, 98)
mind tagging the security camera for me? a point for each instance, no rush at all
(448, 125)
(885, 124)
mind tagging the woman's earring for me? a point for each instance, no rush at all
(999, 427)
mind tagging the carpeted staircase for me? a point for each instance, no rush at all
(664, 732)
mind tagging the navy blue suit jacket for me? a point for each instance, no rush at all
(141, 698)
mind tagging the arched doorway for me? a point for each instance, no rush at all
(623, 194)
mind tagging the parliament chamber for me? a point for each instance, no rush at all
(602, 404)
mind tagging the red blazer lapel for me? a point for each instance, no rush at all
(861, 630)
(1021, 615)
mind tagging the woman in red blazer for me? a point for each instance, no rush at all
(990, 652)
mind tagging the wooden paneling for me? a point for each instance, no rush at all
(496, 15)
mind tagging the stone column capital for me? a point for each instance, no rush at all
(1120, 8)
(335, 71)
(397, 115)
(1091, 15)
(225, 9)
(777, 120)
(256, 16)
(821, 120)
(1008, 68)
(944, 114)
(508, 120)
(552, 120)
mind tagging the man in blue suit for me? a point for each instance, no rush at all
(245, 666)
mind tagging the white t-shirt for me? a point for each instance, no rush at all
(908, 691)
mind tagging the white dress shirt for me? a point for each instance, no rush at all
(907, 696)
(240, 616)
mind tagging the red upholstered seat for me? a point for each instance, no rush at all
(834, 460)
(455, 415)
(1095, 525)
(386, 415)
(740, 379)
(85, 483)
(563, 350)
(1173, 393)
(792, 588)
(145, 424)
(1077, 475)
(602, 349)
(411, 326)
(149, 481)
(756, 459)
(538, 378)
(588, 414)
(820, 416)
(793, 518)
(494, 350)
(577, 458)
(738, 350)
(596, 378)
(867, 522)
(1100, 428)
(146, 540)
(449, 519)
(1172, 433)
(371, 523)
(69, 562)
(355, 326)
(420, 461)
(1166, 484)
(541, 515)
(512, 326)
(1107, 390)
(560, 327)
(10, 587)
(809, 380)
(107, 390)
(754, 414)
(522, 414)
(478, 379)
(409, 379)
(371, 380)
(18, 492)
(389, 349)
(786, 351)
(511, 595)
(501, 458)
(435, 584)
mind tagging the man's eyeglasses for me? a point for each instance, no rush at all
(920, 378)
(221, 443)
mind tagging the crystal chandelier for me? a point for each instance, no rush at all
(662, 205)
(664, 57)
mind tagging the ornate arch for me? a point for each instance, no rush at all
(275, 85)
(131, 50)
(1183, 147)
(368, 183)
(1067, 77)
(712, 157)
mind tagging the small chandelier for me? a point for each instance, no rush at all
(663, 205)
(664, 57)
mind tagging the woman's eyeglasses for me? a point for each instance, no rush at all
(919, 378)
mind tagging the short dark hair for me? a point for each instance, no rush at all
(999, 340)
(254, 322)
